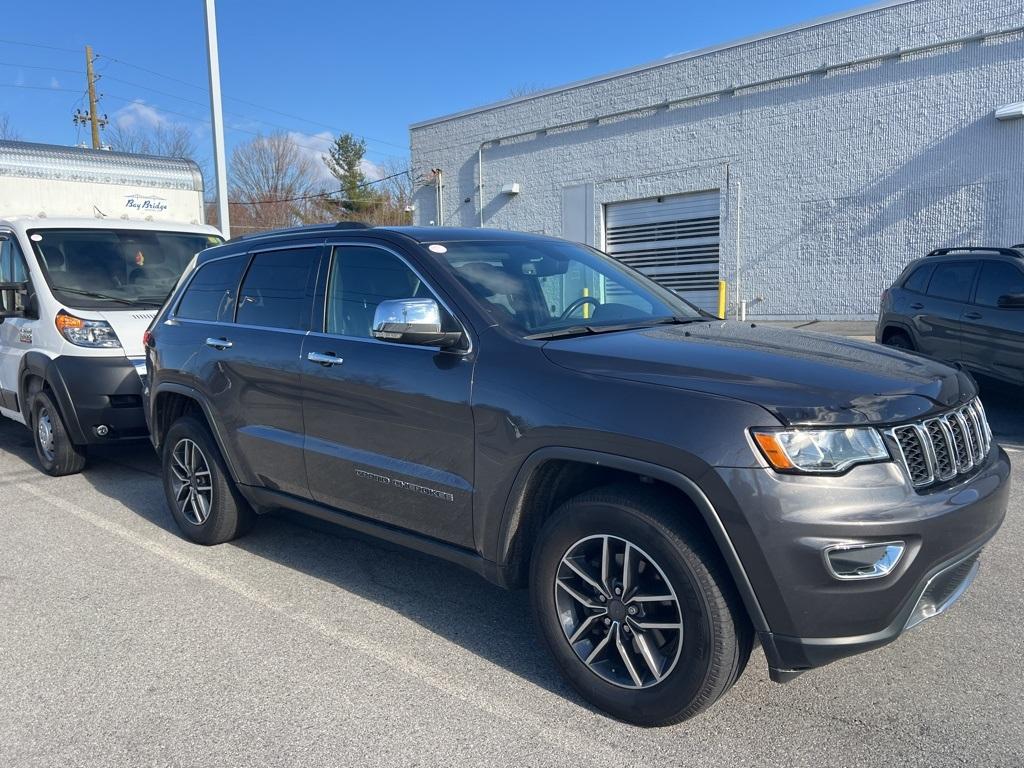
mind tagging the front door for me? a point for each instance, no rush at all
(389, 429)
(15, 332)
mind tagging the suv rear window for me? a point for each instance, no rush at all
(952, 281)
(918, 279)
(211, 294)
(275, 290)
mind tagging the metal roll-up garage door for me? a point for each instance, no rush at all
(673, 240)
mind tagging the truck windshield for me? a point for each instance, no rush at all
(112, 268)
(549, 288)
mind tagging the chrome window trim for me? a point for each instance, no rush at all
(243, 326)
(332, 245)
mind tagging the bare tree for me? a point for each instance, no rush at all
(167, 140)
(6, 130)
(273, 183)
(524, 89)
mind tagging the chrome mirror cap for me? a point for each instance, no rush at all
(412, 321)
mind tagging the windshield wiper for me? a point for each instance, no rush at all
(586, 330)
(105, 296)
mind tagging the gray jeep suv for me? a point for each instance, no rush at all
(671, 486)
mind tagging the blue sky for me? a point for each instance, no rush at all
(317, 67)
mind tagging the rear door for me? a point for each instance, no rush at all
(389, 429)
(993, 337)
(247, 360)
(937, 313)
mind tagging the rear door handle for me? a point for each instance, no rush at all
(326, 360)
(219, 344)
(973, 315)
(917, 306)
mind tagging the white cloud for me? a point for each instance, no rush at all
(54, 82)
(139, 114)
(371, 170)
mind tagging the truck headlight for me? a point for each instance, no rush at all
(820, 450)
(86, 333)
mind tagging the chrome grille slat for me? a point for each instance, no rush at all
(943, 447)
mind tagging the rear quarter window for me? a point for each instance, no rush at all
(917, 281)
(211, 294)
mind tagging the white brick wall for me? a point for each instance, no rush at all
(830, 182)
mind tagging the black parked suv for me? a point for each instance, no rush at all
(669, 485)
(960, 305)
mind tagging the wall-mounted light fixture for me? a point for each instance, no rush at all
(512, 188)
(1010, 111)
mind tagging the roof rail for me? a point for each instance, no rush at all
(307, 228)
(1018, 247)
(1015, 251)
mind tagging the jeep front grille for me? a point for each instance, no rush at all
(947, 446)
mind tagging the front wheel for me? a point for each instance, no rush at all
(637, 607)
(58, 455)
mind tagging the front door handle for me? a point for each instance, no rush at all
(326, 360)
(220, 344)
(917, 306)
(973, 315)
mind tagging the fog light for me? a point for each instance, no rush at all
(102, 430)
(863, 561)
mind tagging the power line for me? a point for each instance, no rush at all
(319, 194)
(41, 45)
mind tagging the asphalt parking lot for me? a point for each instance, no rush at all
(123, 644)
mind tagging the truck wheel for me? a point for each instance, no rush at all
(900, 340)
(200, 492)
(637, 606)
(57, 454)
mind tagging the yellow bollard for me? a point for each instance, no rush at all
(721, 299)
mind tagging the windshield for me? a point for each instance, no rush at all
(106, 269)
(546, 287)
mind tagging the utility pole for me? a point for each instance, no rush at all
(217, 119)
(91, 116)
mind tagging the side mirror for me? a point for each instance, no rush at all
(413, 321)
(13, 300)
(1011, 301)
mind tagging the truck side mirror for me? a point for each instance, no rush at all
(1011, 301)
(412, 321)
(13, 300)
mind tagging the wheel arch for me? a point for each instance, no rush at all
(538, 481)
(36, 365)
(170, 401)
(898, 326)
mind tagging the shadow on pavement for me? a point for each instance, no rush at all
(447, 600)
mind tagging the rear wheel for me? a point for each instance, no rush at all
(200, 492)
(637, 606)
(899, 339)
(58, 456)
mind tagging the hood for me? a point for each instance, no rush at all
(129, 325)
(801, 377)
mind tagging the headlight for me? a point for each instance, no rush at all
(87, 333)
(820, 450)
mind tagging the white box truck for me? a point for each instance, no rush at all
(91, 243)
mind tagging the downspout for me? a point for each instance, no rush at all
(480, 180)
(440, 197)
(739, 260)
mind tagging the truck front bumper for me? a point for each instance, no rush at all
(99, 397)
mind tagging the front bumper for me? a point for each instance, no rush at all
(780, 526)
(98, 391)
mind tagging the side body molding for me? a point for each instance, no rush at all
(514, 512)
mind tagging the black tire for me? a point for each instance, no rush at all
(715, 642)
(899, 340)
(227, 514)
(58, 455)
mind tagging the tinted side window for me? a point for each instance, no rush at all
(918, 279)
(211, 293)
(997, 279)
(952, 281)
(361, 278)
(276, 288)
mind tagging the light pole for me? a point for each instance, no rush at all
(217, 119)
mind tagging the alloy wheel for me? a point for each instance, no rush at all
(191, 481)
(618, 611)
